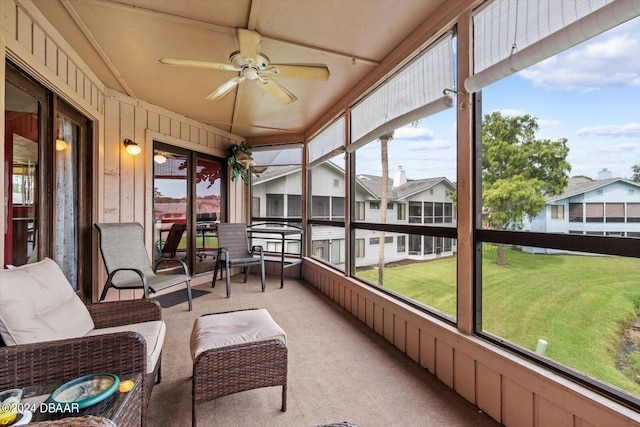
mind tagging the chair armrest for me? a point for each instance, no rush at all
(56, 362)
(257, 249)
(170, 260)
(142, 276)
(120, 313)
(223, 251)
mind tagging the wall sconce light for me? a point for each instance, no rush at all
(159, 158)
(61, 144)
(132, 147)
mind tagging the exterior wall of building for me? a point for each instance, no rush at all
(616, 192)
(328, 181)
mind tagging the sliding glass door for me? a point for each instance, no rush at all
(188, 202)
(48, 182)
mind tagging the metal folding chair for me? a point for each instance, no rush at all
(234, 251)
(127, 263)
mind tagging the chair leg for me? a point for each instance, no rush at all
(262, 275)
(103, 295)
(189, 293)
(246, 273)
(284, 398)
(228, 279)
(193, 412)
(215, 272)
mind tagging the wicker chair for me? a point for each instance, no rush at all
(56, 362)
(127, 262)
(233, 251)
(86, 421)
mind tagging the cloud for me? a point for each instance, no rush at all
(619, 148)
(629, 130)
(548, 123)
(436, 144)
(513, 112)
(510, 112)
(608, 60)
(410, 132)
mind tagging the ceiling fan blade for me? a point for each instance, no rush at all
(282, 95)
(312, 72)
(200, 64)
(224, 89)
(249, 42)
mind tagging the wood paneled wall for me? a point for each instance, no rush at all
(123, 184)
(512, 390)
(126, 181)
(34, 45)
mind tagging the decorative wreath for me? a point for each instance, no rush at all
(241, 162)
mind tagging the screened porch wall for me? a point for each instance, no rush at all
(511, 390)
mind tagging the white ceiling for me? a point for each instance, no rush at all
(122, 41)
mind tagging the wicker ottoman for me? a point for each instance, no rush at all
(236, 351)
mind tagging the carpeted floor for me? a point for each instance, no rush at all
(339, 370)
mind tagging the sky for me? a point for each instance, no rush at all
(589, 94)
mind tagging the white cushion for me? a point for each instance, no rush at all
(153, 333)
(37, 304)
(238, 327)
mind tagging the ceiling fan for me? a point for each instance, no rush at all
(253, 65)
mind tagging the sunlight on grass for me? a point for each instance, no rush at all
(579, 304)
(432, 283)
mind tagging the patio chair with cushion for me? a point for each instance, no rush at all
(233, 251)
(49, 336)
(127, 262)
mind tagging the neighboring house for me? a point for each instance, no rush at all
(603, 207)
(276, 194)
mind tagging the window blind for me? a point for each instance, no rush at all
(414, 92)
(277, 155)
(615, 210)
(633, 210)
(511, 35)
(328, 143)
(595, 210)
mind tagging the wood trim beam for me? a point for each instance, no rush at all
(466, 182)
(276, 139)
(75, 16)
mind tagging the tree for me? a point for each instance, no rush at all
(384, 197)
(518, 171)
(636, 172)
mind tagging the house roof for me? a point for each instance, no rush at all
(274, 172)
(581, 186)
(373, 184)
(370, 183)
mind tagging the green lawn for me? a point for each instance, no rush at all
(579, 304)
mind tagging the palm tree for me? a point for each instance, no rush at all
(384, 155)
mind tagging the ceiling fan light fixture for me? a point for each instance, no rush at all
(159, 158)
(254, 65)
(250, 73)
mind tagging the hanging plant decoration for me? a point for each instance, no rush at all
(241, 162)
